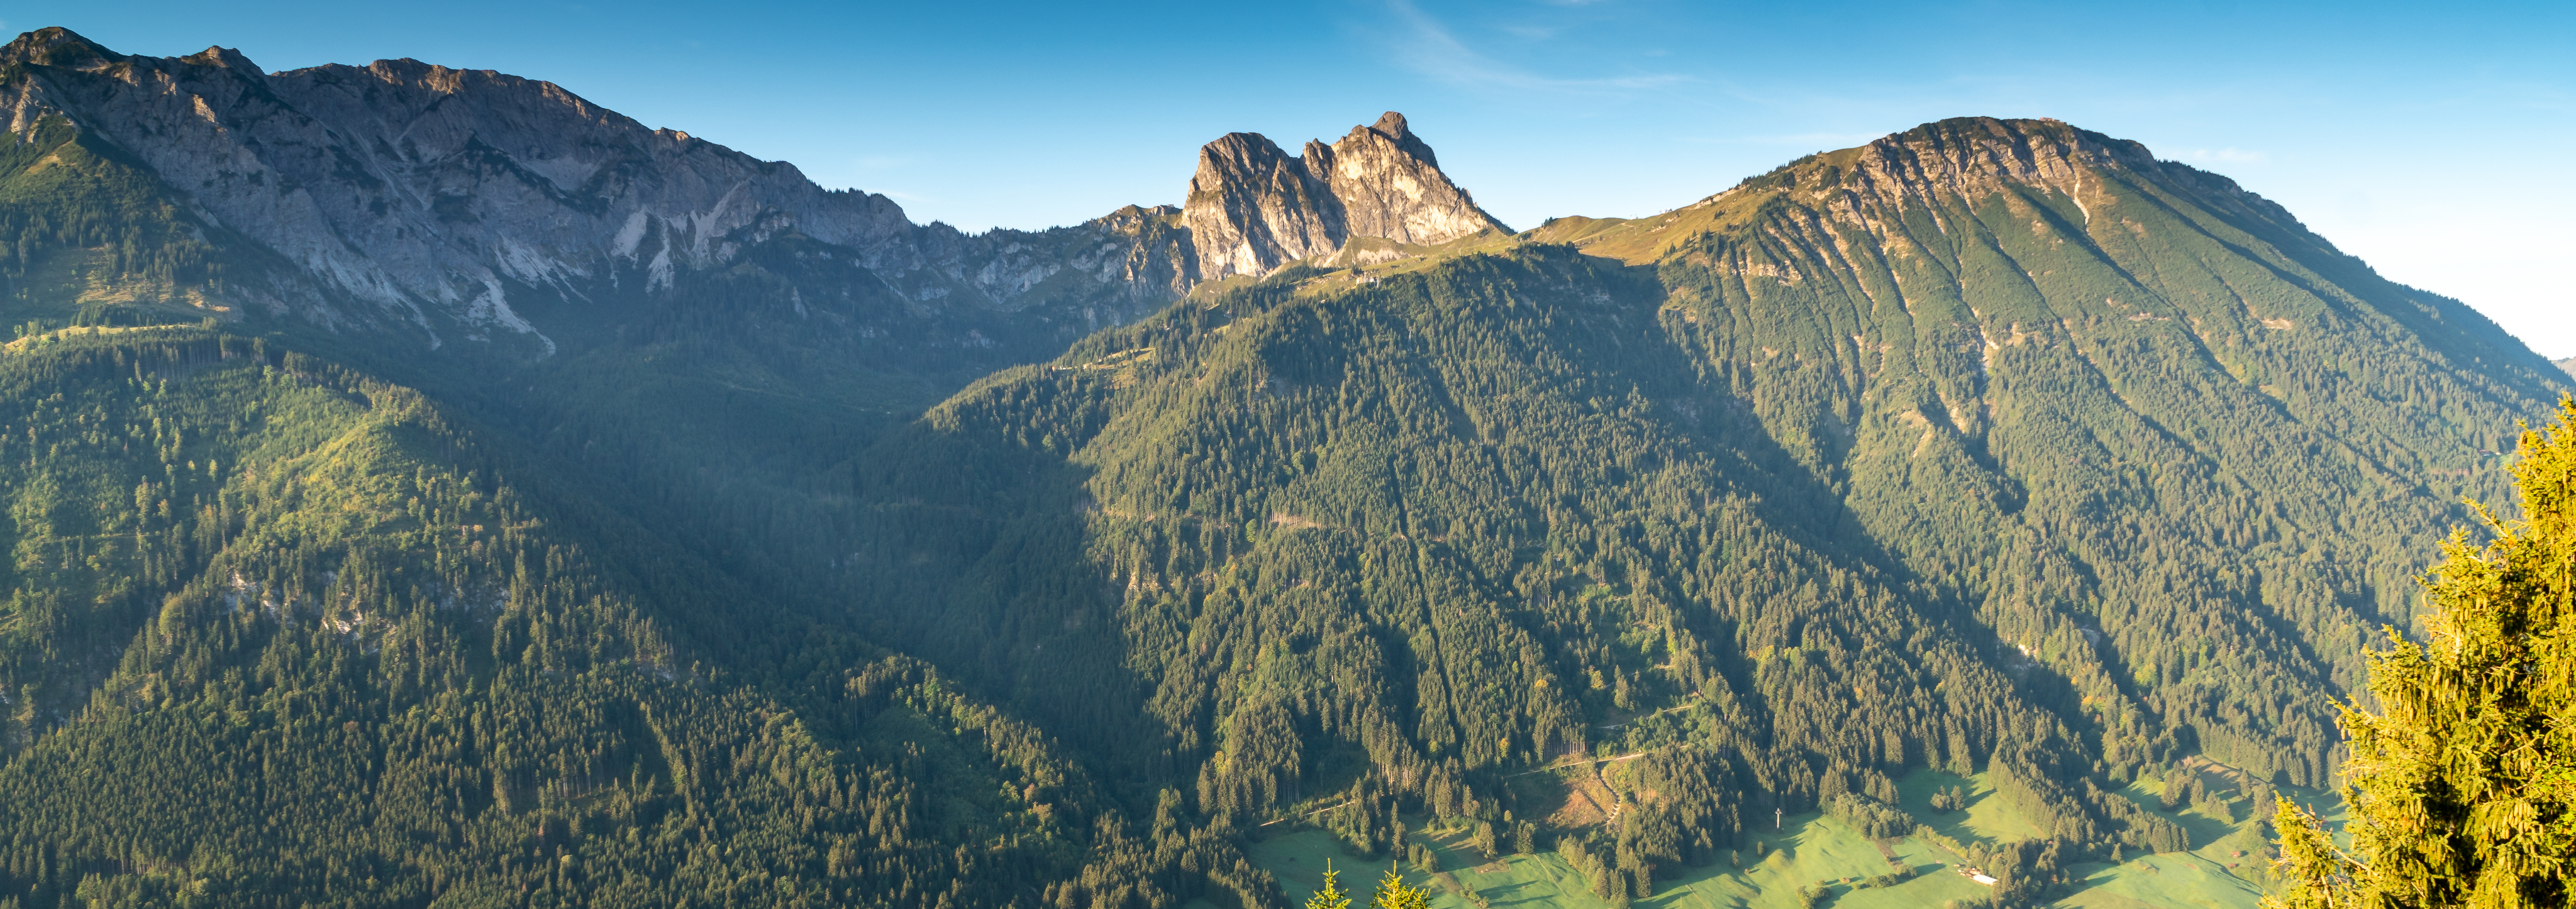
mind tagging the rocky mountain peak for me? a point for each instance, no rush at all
(1253, 207)
(57, 46)
(1392, 126)
(225, 57)
(1970, 157)
(2039, 151)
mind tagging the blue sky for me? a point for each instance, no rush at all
(2431, 140)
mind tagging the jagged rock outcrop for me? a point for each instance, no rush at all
(1390, 186)
(1253, 207)
(410, 194)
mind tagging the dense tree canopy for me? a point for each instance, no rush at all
(2462, 785)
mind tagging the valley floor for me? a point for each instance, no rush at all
(2222, 870)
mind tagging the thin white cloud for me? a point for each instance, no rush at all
(1430, 48)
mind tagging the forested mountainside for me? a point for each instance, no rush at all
(784, 555)
(280, 633)
(1992, 444)
(2085, 389)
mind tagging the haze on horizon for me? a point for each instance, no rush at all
(2389, 129)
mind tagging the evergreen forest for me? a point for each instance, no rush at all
(2079, 475)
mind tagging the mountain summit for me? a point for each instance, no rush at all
(1253, 207)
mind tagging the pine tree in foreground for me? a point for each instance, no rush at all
(2460, 786)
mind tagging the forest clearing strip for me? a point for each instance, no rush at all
(1613, 760)
(22, 344)
(1684, 705)
(1312, 813)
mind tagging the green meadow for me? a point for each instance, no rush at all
(1811, 850)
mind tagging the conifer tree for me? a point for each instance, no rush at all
(2460, 785)
(1394, 893)
(1331, 896)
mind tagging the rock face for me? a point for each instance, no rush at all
(1390, 186)
(448, 205)
(417, 196)
(1253, 207)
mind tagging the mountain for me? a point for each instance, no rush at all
(2131, 378)
(1253, 208)
(440, 205)
(444, 205)
(1991, 444)
(786, 552)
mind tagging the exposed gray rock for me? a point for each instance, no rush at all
(468, 205)
(1252, 207)
(1391, 186)
(414, 193)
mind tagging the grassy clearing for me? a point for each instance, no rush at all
(1986, 818)
(1298, 861)
(1810, 849)
(2185, 880)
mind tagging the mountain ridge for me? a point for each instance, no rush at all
(1038, 569)
(436, 216)
(444, 204)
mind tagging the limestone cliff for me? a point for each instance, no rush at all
(425, 199)
(1252, 207)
